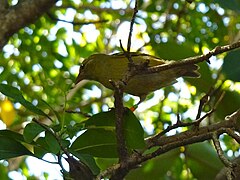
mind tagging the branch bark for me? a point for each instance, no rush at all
(16, 17)
(192, 60)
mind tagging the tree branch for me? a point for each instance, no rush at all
(3, 6)
(192, 60)
(76, 23)
(20, 15)
(167, 143)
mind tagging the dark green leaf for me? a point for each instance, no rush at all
(230, 4)
(133, 130)
(31, 131)
(12, 135)
(52, 142)
(9, 148)
(203, 158)
(231, 66)
(96, 142)
(89, 161)
(42, 148)
(157, 167)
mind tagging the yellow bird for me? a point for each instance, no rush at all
(103, 67)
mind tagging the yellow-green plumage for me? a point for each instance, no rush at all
(102, 68)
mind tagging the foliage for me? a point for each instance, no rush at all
(39, 65)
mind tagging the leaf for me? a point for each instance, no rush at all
(231, 66)
(15, 94)
(12, 135)
(133, 130)
(228, 105)
(203, 160)
(31, 131)
(10, 148)
(42, 148)
(165, 50)
(157, 167)
(96, 142)
(52, 142)
(89, 161)
(203, 83)
(230, 4)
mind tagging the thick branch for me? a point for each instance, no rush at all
(19, 16)
(167, 143)
(3, 6)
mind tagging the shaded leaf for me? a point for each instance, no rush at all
(89, 161)
(12, 135)
(231, 66)
(96, 142)
(230, 4)
(52, 143)
(31, 131)
(202, 158)
(133, 130)
(10, 148)
(156, 168)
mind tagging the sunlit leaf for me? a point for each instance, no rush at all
(16, 94)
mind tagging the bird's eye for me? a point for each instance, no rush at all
(82, 66)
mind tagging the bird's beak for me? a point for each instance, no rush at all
(79, 78)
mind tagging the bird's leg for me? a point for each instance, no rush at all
(142, 98)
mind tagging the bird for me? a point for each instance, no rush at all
(103, 68)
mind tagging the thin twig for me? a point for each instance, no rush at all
(53, 134)
(203, 101)
(231, 133)
(131, 25)
(77, 112)
(76, 23)
(226, 162)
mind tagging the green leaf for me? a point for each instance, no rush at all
(31, 131)
(89, 161)
(203, 83)
(203, 160)
(165, 50)
(52, 142)
(103, 120)
(15, 94)
(10, 148)
(230, 4)
(42, 148)
(157, 167)
(133, 130)
(231, 66)
(12, 135)
(96, 142)
(228, 105)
